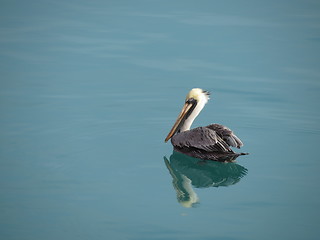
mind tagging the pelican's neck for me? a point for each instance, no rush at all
(188, 122)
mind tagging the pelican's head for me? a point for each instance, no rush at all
(194, 103)
(199, 95)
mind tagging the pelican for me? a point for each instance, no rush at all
(212, 142)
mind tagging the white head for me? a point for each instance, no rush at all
(194, 103)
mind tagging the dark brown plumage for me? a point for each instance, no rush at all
(212, 142)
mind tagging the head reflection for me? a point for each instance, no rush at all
(187, 172)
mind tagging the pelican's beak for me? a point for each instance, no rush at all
(186, 108)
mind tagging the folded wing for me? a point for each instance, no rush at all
(212, 138)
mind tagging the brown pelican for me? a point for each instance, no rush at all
(212, 142)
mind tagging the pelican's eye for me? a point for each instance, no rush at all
(191, 101)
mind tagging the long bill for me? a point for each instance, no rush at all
(187, 106)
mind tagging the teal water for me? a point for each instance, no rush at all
(90, 89)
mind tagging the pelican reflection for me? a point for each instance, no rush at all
(188, 171)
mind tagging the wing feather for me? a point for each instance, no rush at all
(226, 134)
(201, 138)
(212, 138)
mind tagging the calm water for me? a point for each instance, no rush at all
(90, 89)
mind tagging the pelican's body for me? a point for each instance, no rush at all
(212, 142)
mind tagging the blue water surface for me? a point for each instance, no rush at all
(90, 89)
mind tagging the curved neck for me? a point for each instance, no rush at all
(189, 120)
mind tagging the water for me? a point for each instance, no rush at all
(89, 90)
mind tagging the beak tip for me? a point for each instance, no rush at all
(167, 138)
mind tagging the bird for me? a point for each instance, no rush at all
(212, 142)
